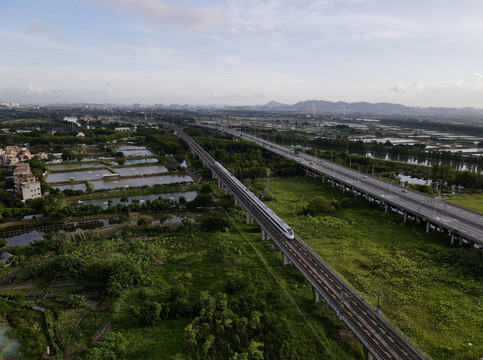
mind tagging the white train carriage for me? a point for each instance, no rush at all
(280, 224)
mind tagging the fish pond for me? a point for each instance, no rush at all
(137, 182)
(24, 236)
(135, 161)
(77, 175)
(141, 170)
(81, 186)
(188, 195)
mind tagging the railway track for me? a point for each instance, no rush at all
(381, 339)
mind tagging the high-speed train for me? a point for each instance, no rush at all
(280, 224)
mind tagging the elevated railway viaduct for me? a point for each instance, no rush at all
(380, 339)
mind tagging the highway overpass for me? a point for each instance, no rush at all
(463, 225)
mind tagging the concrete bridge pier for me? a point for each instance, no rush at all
(452, 239)
(333, 182)
(249, 219)
(317, 297)
(227, 192)
(427, 227)
(343, 188)
(323, 179)
(405, 216)
(461, 241)
(285, 260)
(386, 207)
(237, 203)
(265, 235)
(367, 354)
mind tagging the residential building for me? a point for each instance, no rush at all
(25, 154)
(31, 190)
(22, 169)
(41, 156)
(54, 130)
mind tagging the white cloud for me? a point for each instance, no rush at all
(399, 88)
(477, 77)
(35, 90)
(161, 12)
(476, 80)
(417, 86)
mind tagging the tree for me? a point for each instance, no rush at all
(3, 243)
(113, 346)
(205, 189)
(318, 205)
(202, 200)
(214, 223)
(253, 352)
(144, 220)
(150, 313)
(76, 301)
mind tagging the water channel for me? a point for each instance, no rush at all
(9, 346)
(413, 160)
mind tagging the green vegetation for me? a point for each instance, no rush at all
(177, 295)
(431, 291)
(472, 201)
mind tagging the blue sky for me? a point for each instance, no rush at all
(242, 52)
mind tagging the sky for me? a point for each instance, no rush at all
(242, 52)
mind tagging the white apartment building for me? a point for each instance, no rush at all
(31, 190)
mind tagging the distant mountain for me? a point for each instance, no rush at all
(275, 105)
(340, 106)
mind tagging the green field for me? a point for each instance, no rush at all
(181, 273)
(471, 201)
(433, 292)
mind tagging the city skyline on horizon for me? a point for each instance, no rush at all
(242, 52)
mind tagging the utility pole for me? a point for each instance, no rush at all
(267, 187)
(379, 295)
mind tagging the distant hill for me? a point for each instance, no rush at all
(340, 106)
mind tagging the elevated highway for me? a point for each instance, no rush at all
(461, 224)
(381, 340)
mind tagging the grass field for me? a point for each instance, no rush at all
(471, 201)
(433, 292)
